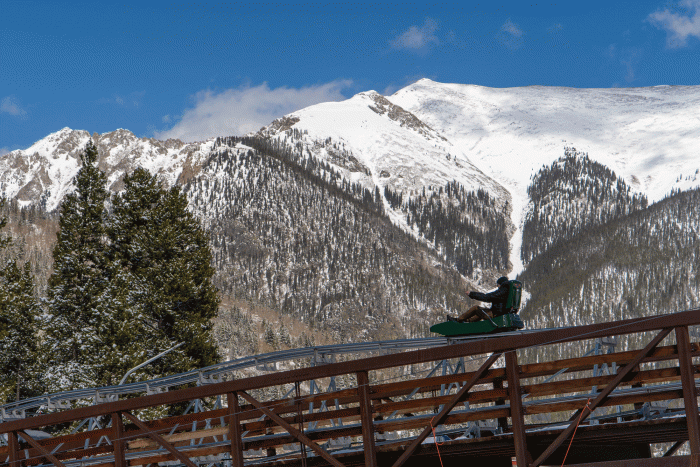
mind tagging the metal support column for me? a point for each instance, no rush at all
(363, 391)
(118, 440)
(234, 429)
(690, 397)
(13, 445)
(516, 409)
(503, 421)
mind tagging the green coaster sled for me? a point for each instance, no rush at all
(507, 322)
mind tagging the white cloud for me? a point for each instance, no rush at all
(11, 106)
(512, 29)
(679, 26)
(166, 118)
(246, 109)
(417, 38)
(511, 35)
(4, 151)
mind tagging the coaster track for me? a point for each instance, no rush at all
(267, 362)
(501, 410)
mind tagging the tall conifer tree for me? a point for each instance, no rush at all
(19, 350)
(161, 247)
(127, 286)
(76, 295)
(19, 342)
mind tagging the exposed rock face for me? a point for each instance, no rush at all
(403, 117)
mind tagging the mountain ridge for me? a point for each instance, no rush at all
(417, 141)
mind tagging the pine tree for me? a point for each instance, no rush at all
(160, 246)
(19, 342)
(19, 352)
(76, 295)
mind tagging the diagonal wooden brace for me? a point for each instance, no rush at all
(602, 396)
(159, 439)
(32, 442)
(438, 419)
(291, 430)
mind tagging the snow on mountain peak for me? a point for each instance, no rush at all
(44, 172)
(378, 143)
(646, 135)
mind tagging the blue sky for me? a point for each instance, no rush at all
(196, 70)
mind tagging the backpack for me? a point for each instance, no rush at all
(515, 289)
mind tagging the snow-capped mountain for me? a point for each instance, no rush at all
(371, 140)
(43, 173)
(380, 211)
(421, 138)
(429, 133)
(649, 136)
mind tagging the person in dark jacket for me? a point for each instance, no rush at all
(497, 298)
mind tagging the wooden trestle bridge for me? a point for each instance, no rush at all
(495, 407)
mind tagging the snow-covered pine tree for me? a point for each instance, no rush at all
(19, 350)
(76, 302)
(19, 343)
(165, 252)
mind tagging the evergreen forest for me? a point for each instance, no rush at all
(264, 247)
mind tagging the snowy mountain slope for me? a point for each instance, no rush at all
(373, 141)
(649, 136)
(422, 137)
(44, 172)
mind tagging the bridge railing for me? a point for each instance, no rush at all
(371, 414)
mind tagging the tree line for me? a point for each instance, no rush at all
(131, 278)
(571, 195)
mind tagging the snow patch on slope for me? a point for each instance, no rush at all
(372, 141)
(648, 136)
(44, 172)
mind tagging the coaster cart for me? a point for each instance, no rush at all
(509, 321)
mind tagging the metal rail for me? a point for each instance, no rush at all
(368, 410)
(267, 362)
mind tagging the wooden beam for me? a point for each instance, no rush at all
(368, 444)
(159, 439)
(118, 440)
(498, 387)
(13, 445)
(32, 442)
(141, 443)
(496, 344)
(301, 437)
(438, 419)
(516, 409)
(234, 429)
(690, 396)
(675, 461)
(582, 414)
(673, 449)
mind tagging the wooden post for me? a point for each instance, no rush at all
(300, 415)
(13, 445)
(234, 429)
(118, 440)
(516, 409)
(690, 397)
(363, 391)
(503, 421)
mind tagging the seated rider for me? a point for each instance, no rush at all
(497, 298)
